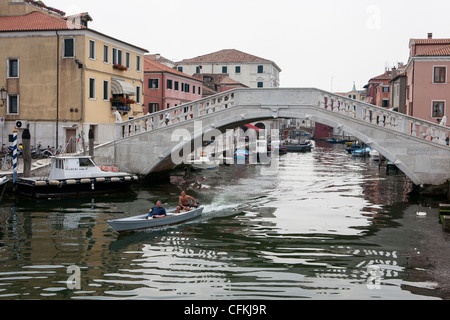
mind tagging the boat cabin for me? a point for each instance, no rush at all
(70, 167)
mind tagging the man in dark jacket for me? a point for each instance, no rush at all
(157, 212)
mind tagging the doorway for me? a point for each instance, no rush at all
(71, 140)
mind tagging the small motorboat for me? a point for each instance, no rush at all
(3, 182)
(363, 152)
(301, 147)
(375, 155)
(141, 222)
(204, 162)
(241, 154)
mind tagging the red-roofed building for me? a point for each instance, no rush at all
(64, 78)
(250, 70)
(165, 87)
(378, 90)
(428, 85)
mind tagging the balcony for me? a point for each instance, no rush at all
(121, 104)
(119, 67)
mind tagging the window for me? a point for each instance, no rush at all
(169, 84)
(438, 109)
(138, 63)
(154, 83)
(92, 49)
(114, 55)
(177, 84)
(117, 56)
(199, 90)
(193, 89)
(260, 69)
(13, 68)
(127, 60)
(69, 48)
(260, 84)
(86, 162)
(180, 69)
(385, 89)
(440, 74)
(238, 69)
(106, 54)
(13, 104)
(224, 69)
(153, 107)
(197, 70)
(105, 90)
(385, 103)
(91, 88)
(138, 95)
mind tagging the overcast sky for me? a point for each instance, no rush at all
(326, 44)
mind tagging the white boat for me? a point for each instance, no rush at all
(375, 155)
(141, 222)
(74, 175)
(204, 162)
(3, 182)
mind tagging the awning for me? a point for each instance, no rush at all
(122, 87)
(250, 126)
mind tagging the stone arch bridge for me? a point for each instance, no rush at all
(418, 148)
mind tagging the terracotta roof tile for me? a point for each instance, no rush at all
(226, 56)
(153, 66)
(36, 21)
(445, 51)
(431, 41)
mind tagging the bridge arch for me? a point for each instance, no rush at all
(417, 147)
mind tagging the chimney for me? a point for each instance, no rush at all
(158, 56)
(430, 36)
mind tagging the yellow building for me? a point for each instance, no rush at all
(63, 78)
(360, 95)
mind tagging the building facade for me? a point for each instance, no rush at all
(165, 87)
(250, 70)
(398, 89)
(378, 90)
(63, 78)
(428, 86)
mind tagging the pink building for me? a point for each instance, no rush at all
(428, 86)
(165, 87)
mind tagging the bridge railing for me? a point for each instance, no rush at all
(341, 105)
(178, 114)
(385, 118)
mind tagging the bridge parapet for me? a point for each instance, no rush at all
(178, 114)
(286, 98)
(385, 118)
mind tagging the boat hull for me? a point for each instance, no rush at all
(299, 148)
(141, 222)
(45, 189)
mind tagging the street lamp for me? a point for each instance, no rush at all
(3, 96)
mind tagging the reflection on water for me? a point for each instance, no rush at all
(326, 226)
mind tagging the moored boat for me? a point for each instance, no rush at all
(141, 222)
(204, 162)
(363, 152)
(301, 147)
(375, 155)
(72, 176)
(3, 182)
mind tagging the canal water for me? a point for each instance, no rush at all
(320, 225)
